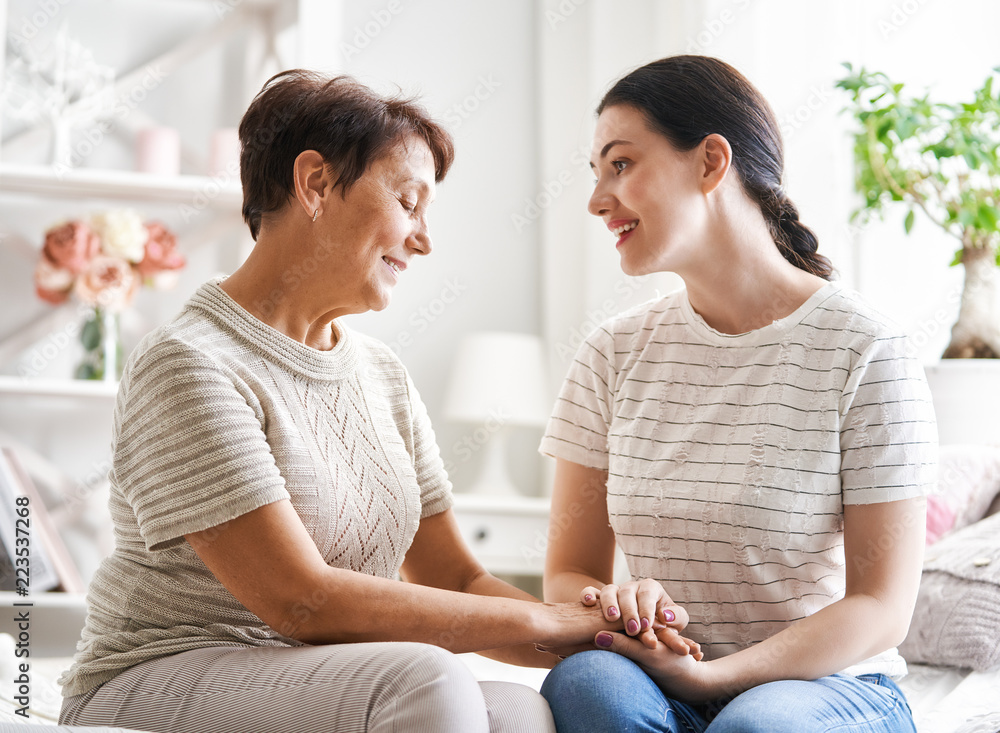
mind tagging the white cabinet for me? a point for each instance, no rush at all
(508, 535)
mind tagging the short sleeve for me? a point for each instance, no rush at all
(190, 450)
(435, 488)
(888, 433)
(577, 431)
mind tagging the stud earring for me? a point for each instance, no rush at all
(315, 214)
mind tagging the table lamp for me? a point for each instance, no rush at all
(498, 381)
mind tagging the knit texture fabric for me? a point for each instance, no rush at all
(957, 616)
(219, 414)
(730, 457)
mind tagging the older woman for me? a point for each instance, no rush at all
(273, 471)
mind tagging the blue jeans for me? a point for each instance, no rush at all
(602, 691)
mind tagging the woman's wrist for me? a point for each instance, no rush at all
(562, 624)
(702, 682)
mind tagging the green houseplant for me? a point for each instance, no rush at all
(941, 160)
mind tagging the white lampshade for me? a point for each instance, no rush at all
(500, 376)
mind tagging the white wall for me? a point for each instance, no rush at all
(517, 82)
(473, 65)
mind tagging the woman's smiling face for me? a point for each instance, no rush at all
(379, 225)
(647, 192)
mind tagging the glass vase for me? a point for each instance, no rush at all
(103, 355)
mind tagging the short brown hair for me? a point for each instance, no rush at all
(343, 120)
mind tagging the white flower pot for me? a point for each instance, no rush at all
(966, 396)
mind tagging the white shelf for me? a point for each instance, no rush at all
(532, 506)
(58, 388)
(196, 191)
(56, 620)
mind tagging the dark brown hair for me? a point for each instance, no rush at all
(344, 121)
(685, 99)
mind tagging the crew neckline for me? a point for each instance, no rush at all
(269, 342)
(771, 332)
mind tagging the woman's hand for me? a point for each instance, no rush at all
(568, 628)
(644, 608)
(681, 676)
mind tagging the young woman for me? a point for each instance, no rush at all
(759, 442)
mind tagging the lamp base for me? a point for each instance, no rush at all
(493, 477)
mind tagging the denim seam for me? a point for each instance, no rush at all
(849, 724)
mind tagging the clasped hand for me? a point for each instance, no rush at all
(652, 639)
(647, 612)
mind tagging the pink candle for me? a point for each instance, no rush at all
(158, 151)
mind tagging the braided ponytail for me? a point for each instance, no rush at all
(796, 242)
(687, 98)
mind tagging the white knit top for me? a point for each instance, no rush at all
(730, 457)
(219, 414)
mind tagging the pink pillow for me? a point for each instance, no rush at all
(940, 518)
(968, 484)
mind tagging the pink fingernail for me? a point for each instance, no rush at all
(632, 626)
(588, 598)
(645, 624)
(612, 611)
(604, 639)
(668, 615)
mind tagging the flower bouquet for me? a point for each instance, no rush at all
(103, 262)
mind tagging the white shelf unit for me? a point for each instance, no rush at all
(55, 620)
(120, 185)
(75, 388)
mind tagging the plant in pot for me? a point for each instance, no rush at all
(941, 160)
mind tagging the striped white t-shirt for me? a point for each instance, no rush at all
(730, 457)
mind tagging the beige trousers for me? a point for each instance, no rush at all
(386, 687)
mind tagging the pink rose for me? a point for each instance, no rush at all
(108, 283)
(161, 251)
(71, 246)
(52, 284)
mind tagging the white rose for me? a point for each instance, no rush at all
(122, 234)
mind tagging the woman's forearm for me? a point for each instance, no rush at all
(524, 655)
(832, 639)
(353, 607)
(565, 587)
(268, 562)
